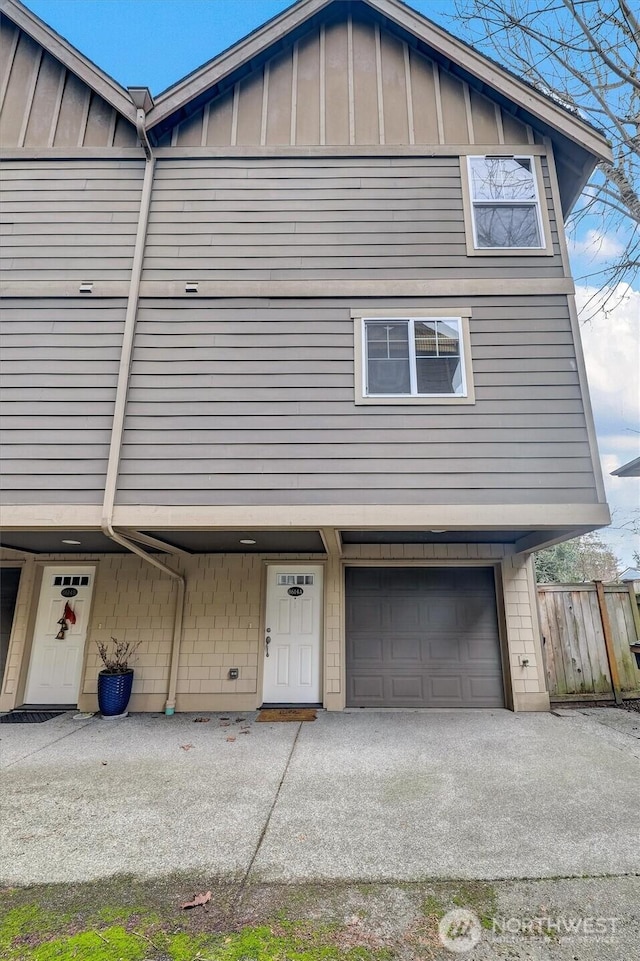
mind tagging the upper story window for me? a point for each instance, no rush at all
(506, 213)
(420, 359)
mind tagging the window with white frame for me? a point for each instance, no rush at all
(413, 357)
(505, 204)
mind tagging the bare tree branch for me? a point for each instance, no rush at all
(585, 55)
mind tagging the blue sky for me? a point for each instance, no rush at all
(155, 43)
(127, 38)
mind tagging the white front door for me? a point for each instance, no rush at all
(292, 649)
(56, 662)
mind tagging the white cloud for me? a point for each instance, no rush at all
(611, 342)
(596, 246)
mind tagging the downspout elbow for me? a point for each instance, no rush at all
(141, 127)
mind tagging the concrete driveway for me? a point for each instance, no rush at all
(357, 796)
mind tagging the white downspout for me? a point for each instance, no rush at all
(122, 391)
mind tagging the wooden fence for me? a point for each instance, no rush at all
(589, 633)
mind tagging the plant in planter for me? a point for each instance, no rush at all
(115, 680)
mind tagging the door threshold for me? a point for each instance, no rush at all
(60, 708)
(281, 705)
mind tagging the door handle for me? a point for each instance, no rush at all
(267, 641)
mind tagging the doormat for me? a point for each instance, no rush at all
(29, 717)
(272, 714)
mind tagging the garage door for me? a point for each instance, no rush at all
(422, 637)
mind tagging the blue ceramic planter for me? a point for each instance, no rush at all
(114, 691)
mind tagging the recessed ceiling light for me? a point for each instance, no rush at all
(71, 542)
(438, 532)
(247, 540)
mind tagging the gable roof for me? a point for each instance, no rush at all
(486, 75)
(83, 68)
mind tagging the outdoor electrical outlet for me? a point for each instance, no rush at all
(234, 673)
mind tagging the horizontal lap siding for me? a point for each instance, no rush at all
(59, 366)
(386, 218)
(253, 403)
(68, 219)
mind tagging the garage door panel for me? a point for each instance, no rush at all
(405, 649)
(366, 650)
(445, 688)
(368, 688)
(406, 687)
(485, 688)
(364, 614)
(422, 637)
(442, 649)
(481, 650)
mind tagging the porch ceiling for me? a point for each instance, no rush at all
(230, 541)
(52, 542)
(195, 542)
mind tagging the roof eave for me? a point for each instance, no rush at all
(99, 81)
(632, 469)
(500, 80)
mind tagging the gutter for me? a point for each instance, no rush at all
(142, 101)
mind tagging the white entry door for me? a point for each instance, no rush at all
(292, 673)
(56, 663)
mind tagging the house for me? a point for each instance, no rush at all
(632, 469)
(294, 384)
(631, 575)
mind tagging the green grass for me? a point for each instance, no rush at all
(477, 896)
(112, 933)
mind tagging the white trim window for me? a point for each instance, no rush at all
(413, 357)
(505, 203)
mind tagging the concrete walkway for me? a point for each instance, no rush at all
(357, 796)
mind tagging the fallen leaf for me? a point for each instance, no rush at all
(244, 732)
(225, 723)
(201, 720)
(240, 719)
(200, 899)
(231, 739)
(104, 763)
(186, 747)
(225, 718)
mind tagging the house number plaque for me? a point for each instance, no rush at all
(295, 591)
(68, 592)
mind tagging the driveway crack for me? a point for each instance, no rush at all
(245, 879)
(75, 730)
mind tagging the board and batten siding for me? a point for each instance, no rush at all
(59, 366)
(252, 402)
(320, 218)
(46, 105)
(349, 82)
(69, 219)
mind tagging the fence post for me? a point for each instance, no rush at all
(634, 609)
(608, 642)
